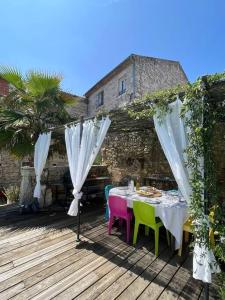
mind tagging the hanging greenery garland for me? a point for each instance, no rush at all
(201, 113)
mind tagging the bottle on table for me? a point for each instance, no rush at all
(131, 186)
(138, 184)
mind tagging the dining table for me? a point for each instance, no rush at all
(170, 207)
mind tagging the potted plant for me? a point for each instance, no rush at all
(12, 194)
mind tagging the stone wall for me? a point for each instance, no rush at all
(152, 74)
(79, 108)
(139, 153)
(136, 153)
(9, 169)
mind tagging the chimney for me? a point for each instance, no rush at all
(4, 87)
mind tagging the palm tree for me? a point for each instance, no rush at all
(35, 103)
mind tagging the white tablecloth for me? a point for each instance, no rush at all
(168, 208)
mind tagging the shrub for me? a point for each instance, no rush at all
(12, 194)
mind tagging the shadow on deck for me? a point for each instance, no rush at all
(39, 259)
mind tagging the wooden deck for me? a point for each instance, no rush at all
(39, 259)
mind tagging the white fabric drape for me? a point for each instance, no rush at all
(40, 156)
(172, 135)
(204, 263)
(173, 138)
(82, 153)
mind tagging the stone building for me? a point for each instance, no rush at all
(133, 78)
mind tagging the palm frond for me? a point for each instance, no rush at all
(22, 148)
(35, 104)
(12, 76)
(16, 143)
(13, 119)
(42, 84)
(5, 138)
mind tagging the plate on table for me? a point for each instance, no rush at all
(172, 192)
(150, 189)
(145, 193)
(122, 188)
(157, 194)
(152, 201)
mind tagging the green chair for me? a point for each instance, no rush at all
(145, 214)
(107, 189)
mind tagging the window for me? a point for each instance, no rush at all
(100, 99)
(122, 86)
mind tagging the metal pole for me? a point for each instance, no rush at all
(78, 215)
(206, 291)
(78, 223)
(70, 123)
(206, 285)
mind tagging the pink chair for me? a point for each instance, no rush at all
(118, 208)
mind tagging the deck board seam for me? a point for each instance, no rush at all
(38, 256)
(48, 266)
(170, 280)
(97, 258)
(87, 254)
(122, 262)
(167, 262)
(157, 257)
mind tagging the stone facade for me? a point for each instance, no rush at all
(9, 169)
(153, 74)
(79, 108)
(131, 148)
(141, 75)
(112, 98)
(135, 150)
(135, 154)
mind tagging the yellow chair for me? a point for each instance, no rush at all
(187, 228)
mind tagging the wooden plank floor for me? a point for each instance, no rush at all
(39, 259)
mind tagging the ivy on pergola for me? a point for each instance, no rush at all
(204, 102)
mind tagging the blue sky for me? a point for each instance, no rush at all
(84, 39)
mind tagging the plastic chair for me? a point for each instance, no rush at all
(118, 208)
(187, 228)
(145, 214)
(107, 189)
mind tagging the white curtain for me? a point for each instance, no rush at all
(173, 138)
(82, 153)
(204, 263)
(172, 135)
(40, 156)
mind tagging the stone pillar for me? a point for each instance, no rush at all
(26, 187)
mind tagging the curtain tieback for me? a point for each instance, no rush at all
(73, 210)
(37, 189)
(77, 195)
(38, 178)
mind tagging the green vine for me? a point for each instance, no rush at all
(203, 113)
